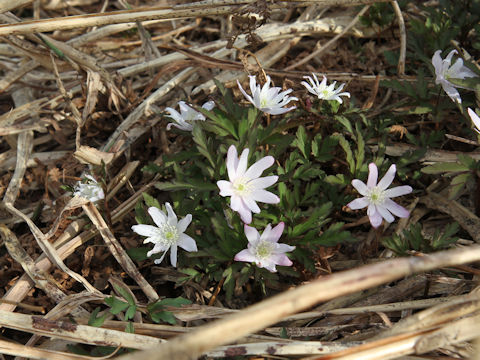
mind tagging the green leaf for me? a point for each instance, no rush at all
(150, 200)
(116, 305)
(138, 254)
(151, 168)
(323, 149)
(140, 213)
(334, 235)
(96, 321)
(443, 167)
(165, 316)
(130, 313)
(130, 328)
(202, 144)
(312, 222)
(176, 302)
(302, 143)
(193, 184)
(125, 293)
(348, 152)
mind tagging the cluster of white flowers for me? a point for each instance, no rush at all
(270, 100)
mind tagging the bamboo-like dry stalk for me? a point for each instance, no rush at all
(10, 348)
(7, 5)
(118, 252)
(205, 8)
(78, 333)
(265, 313)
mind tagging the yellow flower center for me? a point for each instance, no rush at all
(264, 250)
(241, 187)
(168, 235)
(376, 196)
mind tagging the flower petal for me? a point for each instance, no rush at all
(385, 213)
(209, 105)
(281, 259)
(172, 217)
(398, 191)
(258, 167)
(276, 232)
(158, 216)
(225, 187)
(249, 98)
(173, 255)
(232, 162)
(475, 118)
(245, 255)
(359, 203)
(451, 92)
(437, 61)
(262, 183)
(145, 230)
(251, 204)
(183, 223)
(237, 204)
(265, 196)
(396, 209)
(360, 187)
(283, 248)
(387, 178)
(242, 163)
(375, 219)
(187, 243)
(372, 176)
(251, 233)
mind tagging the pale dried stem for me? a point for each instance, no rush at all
(41, 279)
(403, 38)
(45, 245)
(10, 348)
(7, 5)
(319, 51)
(66, 245)
(202, 8)
(118, 252)
(267, 312)
(78, 333)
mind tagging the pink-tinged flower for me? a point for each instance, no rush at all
(378, 198)
(475, 119)
(444, 72)
(168, 234)
(267, 99)
(246, 187)
(324, 91)
(184, 118)
(264, 250)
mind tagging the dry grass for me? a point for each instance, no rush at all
(86, 94)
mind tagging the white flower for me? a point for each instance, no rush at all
(187, 114)
(89, 189)
(245, 185)
(377, 197)
(322, 91)
(264, 250)
(475, 119)
(267, 99)
(168, 234)
(444, 72)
